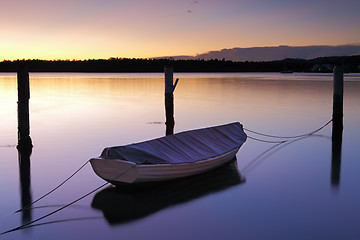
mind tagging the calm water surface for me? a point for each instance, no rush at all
(288, 193)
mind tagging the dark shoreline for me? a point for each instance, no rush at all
(325, 64)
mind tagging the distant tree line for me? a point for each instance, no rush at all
(324, 64)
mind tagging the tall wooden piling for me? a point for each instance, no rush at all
(169, 99)
(338, 93)
(337, 127)
(23, 104)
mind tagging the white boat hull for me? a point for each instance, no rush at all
(119, 171)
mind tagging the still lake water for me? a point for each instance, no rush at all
(287, 194)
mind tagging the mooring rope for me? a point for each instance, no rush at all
(46, 194)
(266, 141)
(58, 186)
(51, 213)
(284, 137)
(268, 152)
(278, 146)
(253, 162)
(67, 205)
(271, 151)
(63, 220)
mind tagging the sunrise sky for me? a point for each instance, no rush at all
(83, 29)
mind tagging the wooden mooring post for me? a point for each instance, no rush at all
(23, 105)
(169, 99)
(337, 126)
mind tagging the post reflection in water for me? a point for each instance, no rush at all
(24, 141)
(25, 180)
(169, 112)
(130, 203)
(336, 151)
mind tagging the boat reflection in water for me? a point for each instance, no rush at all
(129, 202)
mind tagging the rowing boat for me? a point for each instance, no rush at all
(175, 156)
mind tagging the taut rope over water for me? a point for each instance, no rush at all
(284, 137)
(67, 205)
(46, 194)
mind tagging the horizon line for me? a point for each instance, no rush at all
(174, 56)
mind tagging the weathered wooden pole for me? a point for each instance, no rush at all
(169, 99)
(338, 93)
(337, 128)
(24, 141)
(23, 105)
